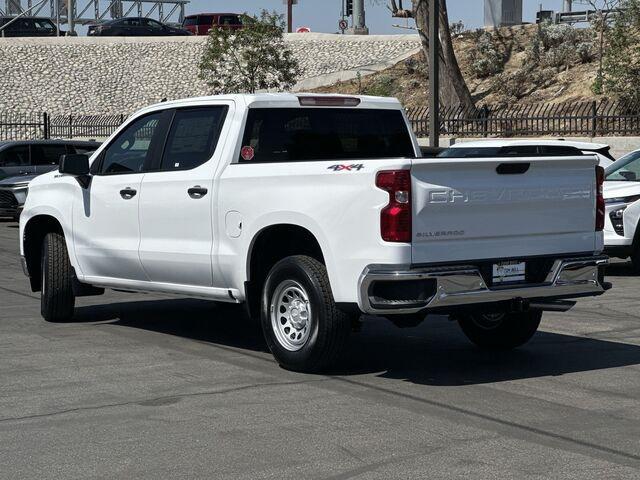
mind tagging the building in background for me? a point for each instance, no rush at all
(502, 13)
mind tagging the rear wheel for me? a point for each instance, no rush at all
(500, 331)
(57, 300)
(302, 325)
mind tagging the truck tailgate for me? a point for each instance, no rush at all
(501, 208)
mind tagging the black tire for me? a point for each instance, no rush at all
(635, 258)
(500, 331)
(328, 327)
(57, 300)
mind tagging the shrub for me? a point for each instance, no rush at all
(253, 58)
(382, 86)
(486, 59)
(621, 59)
(559, 46)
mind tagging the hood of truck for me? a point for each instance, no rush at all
(620, 189)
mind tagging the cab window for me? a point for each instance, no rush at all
(129, 151)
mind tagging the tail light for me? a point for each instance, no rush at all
(395, 218)
(600, 209)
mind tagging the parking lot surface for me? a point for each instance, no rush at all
(142, 386)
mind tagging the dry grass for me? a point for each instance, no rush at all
(407, 80)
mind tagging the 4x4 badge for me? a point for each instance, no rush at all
(338, 168)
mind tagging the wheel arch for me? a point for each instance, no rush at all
(35, 230)
(271, 244)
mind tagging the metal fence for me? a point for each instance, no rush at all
(37, 126)
(589, 119)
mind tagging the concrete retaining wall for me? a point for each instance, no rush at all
(121, 74)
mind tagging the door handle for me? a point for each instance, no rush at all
(197, 191)
(128, 193)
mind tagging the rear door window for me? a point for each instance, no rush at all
(207, 20)
(193, 137)
(307, 134)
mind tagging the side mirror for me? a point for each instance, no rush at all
(76, 164)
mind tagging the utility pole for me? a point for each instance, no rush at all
(434, 74)
(71, 15)
(289, 16)
(359, 21)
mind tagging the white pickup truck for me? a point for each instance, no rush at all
(312, 210)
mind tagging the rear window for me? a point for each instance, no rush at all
(305, 134)
(511, 151)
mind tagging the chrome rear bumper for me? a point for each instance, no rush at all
(464, 285)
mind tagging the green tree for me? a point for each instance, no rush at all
(621, 62)
(253, 58)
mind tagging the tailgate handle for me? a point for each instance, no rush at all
(512, 168)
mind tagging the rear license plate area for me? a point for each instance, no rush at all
(504, 273)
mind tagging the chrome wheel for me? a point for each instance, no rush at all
(291, 316)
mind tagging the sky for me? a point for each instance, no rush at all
(323, 15)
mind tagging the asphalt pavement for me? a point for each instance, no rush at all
(143, 386)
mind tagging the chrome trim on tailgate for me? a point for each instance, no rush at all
(464, 285)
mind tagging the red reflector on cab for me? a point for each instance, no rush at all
(329, 101)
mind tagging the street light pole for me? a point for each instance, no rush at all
(434, 73)
(289, 16)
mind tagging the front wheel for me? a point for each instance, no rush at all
(500, 331)
(57, 299)
(302, 325)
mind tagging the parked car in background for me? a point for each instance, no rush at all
(521, 148)
(622, 199)
(13, 194)
(30, 27)
(201, 23)
(37, 156)
(134, 27)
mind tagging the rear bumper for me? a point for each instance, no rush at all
(460, 285)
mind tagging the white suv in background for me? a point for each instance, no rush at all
(622, 198)
(524, 148)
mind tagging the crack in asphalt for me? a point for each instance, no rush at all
(489, 418)
(159, 400)
(17, 292)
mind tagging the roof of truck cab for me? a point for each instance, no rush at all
(509, 143)
(279, 100)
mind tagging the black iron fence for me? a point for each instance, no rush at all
(36, 126)
(589, 119)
